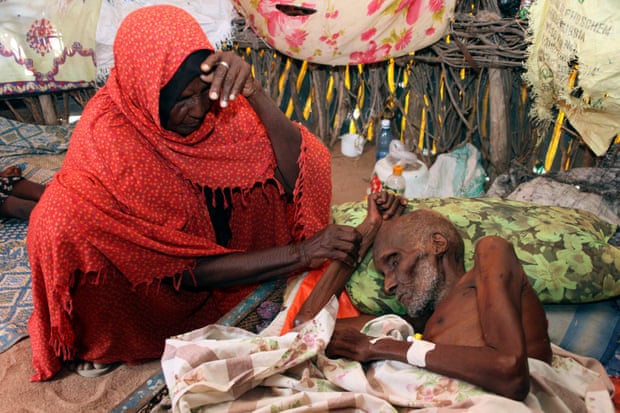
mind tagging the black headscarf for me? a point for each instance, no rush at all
(169, 94)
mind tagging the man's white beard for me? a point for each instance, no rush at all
(427, 289)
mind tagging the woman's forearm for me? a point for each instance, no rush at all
(240, 268)
(284, 135)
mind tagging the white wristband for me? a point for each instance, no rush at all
(416, 354)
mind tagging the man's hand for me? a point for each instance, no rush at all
(228, 75)
(347, 341)
(384, 205)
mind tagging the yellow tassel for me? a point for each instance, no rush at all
(347, 78)
(557, 129)
(426, 100)
(485, 112)
(617, 140)
(422, 127)
(406, 108)
(442, 84)
(352, 128)
(462, 73)
(555, 140)
(390, 77)
(302, 75)
(308, 106)
(284, 75)
(370, 134)
(290, 108)
(568, 159)
(330, 88)
(361, 95)
(448, 39)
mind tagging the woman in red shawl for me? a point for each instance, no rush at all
(184, 185)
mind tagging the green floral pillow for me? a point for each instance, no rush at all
(564, 252)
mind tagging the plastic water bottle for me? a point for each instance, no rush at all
(396, 182)
(524, 9)
(385, 137)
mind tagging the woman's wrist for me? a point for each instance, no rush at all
(299, 252)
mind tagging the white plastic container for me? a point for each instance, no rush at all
(415, 171)
(352, 145)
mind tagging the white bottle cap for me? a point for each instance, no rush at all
(385, 123)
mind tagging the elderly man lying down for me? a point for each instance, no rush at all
(483, 344)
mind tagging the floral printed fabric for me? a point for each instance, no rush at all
(227, 369)
(340, 33)
(42, 48)
(564, 252)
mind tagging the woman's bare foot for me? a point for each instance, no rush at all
(91, 369)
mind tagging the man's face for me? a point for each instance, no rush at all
(411, 271)
(190, 109)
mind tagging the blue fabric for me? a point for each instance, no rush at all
(591, 329)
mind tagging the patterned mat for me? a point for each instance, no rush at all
(38, 150)
(15, 291)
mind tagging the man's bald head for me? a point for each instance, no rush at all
(418, 227)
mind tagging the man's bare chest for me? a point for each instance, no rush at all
(456, 320)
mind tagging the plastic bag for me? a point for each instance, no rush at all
(457, 174)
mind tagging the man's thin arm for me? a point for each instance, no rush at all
(336, 275)
(501, 365)
(381, 206)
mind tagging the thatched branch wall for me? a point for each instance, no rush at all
(467, 87)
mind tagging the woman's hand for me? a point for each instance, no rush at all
(229, 75)
(334, 242)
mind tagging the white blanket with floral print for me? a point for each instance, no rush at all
(227, 369)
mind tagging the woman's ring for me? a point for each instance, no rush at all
(223, 63)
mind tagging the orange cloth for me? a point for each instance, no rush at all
(345, 306)
(127, 212)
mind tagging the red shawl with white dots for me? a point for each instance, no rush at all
(126, 210)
